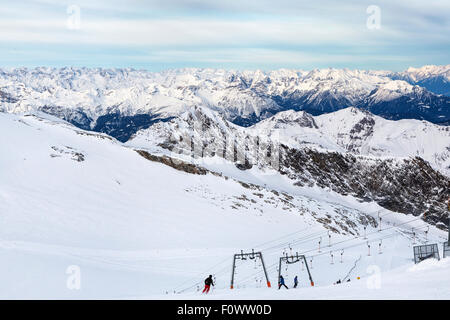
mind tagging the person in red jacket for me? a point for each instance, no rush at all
(208, 283)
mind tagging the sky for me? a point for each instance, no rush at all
(230, 34)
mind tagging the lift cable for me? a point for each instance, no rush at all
(351, 246)
(306, 238)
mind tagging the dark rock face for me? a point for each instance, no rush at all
(251, 119)
(124, 127)
(176, 164)
(439, 85)
(246, 121)
(436, 84)
(360, 132)
(408, 186)
(420, 106)
(244, 166)
(6, 97)
(116, 125)
(299, 102)
(77, 117)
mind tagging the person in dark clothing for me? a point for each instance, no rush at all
(281, 283)
(295, 282)
(208, 283)
(339, 281)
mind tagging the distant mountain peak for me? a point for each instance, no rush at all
(122, 101)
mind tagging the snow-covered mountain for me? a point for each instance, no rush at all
(434, 78)
(216, 162)
(362, 133)
(120, 102)
(207, 107)
(130, 223)
(350, 152)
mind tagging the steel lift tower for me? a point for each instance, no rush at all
(294, 259)
(243, 256)
(446, 246)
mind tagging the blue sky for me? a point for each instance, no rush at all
(244, 34)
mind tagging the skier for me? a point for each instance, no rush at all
(295, 282)
(281, 283)
(208, 283)
(339, 281)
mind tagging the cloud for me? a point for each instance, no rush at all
(287, 30)
(177, 32)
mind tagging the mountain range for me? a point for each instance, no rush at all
(120, 102)
(374, 135)
(143, 179)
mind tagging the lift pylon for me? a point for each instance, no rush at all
(294, 259)
(446, 245)
(244, 256)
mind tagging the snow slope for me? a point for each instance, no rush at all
(360, 132)
(426, 281)
(139, 228)
(344, 154)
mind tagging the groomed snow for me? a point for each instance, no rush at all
(427, 280)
